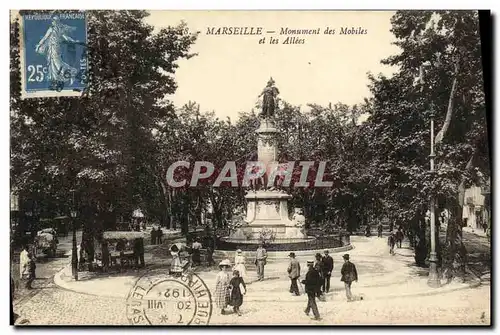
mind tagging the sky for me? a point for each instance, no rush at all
(230, 71)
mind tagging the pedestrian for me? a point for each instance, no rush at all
(105, 256)
(159, 235)
(175, 265)
(238, 290)
(327, 271)
(391, 241)
(318, 265)
(31, 270)
(260, 261)
(139, 252)
(311, 283)
(24, 260)
(153, 236)
(349, 274)
(399, 237)
(380, 229)
(239, 264)
(368, 231)
(210, 256)
(222, 282)
(196, 249)
(294, 273)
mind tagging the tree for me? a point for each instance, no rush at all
(398, 126)
(99, 143)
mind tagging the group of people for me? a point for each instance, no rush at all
(229, 290)
(317, 283)
(395, 238)
(156, 236)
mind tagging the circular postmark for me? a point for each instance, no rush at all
(162, 299)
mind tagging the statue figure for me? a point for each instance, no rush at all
(51, 46)
(298, 218)
(270, 93)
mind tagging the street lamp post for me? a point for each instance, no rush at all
(74, 252)
(433, 280)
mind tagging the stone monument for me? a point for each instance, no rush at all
(267, 208)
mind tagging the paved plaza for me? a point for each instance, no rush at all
(393, 292)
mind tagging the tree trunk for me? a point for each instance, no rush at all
(455, 259)
(449, 111)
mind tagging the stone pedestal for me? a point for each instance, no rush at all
(267, 210)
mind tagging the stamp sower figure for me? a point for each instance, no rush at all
(238, 289)
(260, 261)
(222, 282)
(294, 273)
(312, 282)
(327, 271)
(239, 264)
(51, 45)
(349, 274)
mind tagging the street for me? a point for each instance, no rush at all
(391, 287)
(46, 268)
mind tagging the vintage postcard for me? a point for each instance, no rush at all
(206, 168)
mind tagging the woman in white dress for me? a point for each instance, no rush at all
(175, 266)
(239, 264)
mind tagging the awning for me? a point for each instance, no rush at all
(127, 235)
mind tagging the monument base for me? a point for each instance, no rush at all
(276, 234)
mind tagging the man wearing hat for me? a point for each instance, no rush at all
(349, 274)
(327, 271)
(294, 273)
(312, 282)
(260, 261)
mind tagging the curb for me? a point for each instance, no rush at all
(280, 255)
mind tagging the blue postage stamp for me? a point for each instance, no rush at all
(53, 54)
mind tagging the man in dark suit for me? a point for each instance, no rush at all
(312, 282)
(327, 271)
(349, 274)
(294, 273)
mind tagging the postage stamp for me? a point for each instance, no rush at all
(53, 54)
(162, 299)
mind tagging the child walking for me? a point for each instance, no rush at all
(236, 284)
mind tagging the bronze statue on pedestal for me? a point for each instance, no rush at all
(269, 94)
